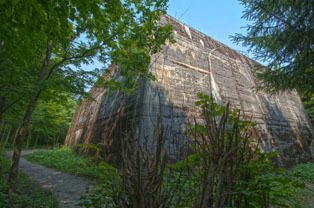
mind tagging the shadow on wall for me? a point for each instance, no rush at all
(157, 104)
(286, 136)
(137, 116)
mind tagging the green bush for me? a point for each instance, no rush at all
(228, 169)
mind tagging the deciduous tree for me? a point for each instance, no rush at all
(42, 39)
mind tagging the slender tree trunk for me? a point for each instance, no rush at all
(8, 135)
(22, 133)
(1, 49)
(29, 138)
(3, 135)
(1, 125)
(56, 140)
(2, 104)
(17, 130)
(4, 129)
(1, 46)
(1, 122)
(36, 140)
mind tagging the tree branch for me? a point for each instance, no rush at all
(76, 57)
(276, 16)
(70, 58)
(11, 104)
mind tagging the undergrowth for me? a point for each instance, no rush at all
(66, 160)
(27, 195)
(304, 172)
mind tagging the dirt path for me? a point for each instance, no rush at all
(66, 187)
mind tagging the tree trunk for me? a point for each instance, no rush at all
(54, 140)
(36, 140)
(3, 135)
(2, 104)
(29, 139)
(1, 46)
(1, 49)
(8, 135)
(17, 130)
(30, 108)
(1, 122)
(57, 138)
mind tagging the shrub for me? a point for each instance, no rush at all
(227, 168)
(141, 181)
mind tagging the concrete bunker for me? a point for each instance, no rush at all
(195, 63)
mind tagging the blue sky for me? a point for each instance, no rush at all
(216, 18)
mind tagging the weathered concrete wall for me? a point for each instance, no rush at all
(196, 63)
(84, 118)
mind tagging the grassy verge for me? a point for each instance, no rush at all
(65, 160)
(303, 173)
(28, 194)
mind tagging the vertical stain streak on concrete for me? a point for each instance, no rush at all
(187, 30)
(214, 90)
(93, 117)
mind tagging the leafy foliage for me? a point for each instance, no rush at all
(52, 119)
(48, 125)
(80, 32)
(304, 172)
(308, 102)
(44, 46)
(281, 33)
(27, 194)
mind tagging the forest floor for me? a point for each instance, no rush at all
(67, 188)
